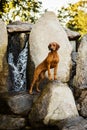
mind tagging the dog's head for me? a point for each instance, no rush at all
(53, 46)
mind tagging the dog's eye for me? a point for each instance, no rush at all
(53, 44)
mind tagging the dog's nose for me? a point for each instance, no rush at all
(51, 49)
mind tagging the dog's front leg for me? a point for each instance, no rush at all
(49, 73)
(55, 72)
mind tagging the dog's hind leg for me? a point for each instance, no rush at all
(35, 79)
(41, 77)
(31, 87)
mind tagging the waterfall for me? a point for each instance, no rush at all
(18, 70)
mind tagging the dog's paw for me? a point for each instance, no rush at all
(38, 90)
(55, 78)
(30, 92)
(50, 78)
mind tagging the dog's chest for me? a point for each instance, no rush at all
(54, 61)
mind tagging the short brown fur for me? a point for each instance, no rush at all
(51, 61)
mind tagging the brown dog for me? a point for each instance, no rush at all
(50, 62)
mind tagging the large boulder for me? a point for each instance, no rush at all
(81, 69)
(48, 29)
(3, 62)
(80, 80)
(16, 103)
(76, 123)
(56, 103)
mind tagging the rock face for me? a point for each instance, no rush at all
(19, 26)
(81, 69)
(11, 123)
(72, 35)
(56, 103)
(77, 123)
(3, 62)
(48, 29)
(80, 80)
(16, 103)
(83, 103)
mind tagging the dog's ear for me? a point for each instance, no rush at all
(49, 46)
(57, 46)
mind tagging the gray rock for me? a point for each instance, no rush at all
(82, 102)
(76, 123)
(74, 57)
(17, 103)
(73, 70)
(80, 80)
(72, 35)
(83, 110)
(9, 122)
(56, 103)
(81, 69)
(19, 26)
(48, 29)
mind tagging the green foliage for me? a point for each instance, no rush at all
(25, 10)
(2, 3)
(74, 16)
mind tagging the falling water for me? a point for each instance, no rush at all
(18, 70)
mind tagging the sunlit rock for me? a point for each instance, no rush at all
(55, 104)
(3, 60)
(48, 29)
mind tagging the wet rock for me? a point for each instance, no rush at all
(48, 29)
(17, 61)
(56, 103)
(8, 122)
(17, 103)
